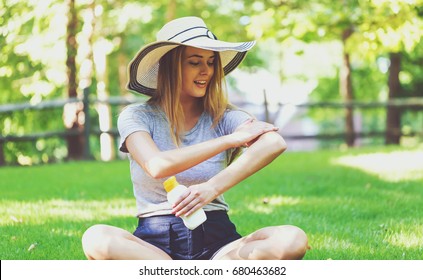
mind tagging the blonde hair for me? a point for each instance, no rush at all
(169, 85)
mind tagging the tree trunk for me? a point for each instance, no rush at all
(346, 90)
(85, 40)
(100, 52)
(122, 68)
(86, 69)
(73, 113)
(393, 115)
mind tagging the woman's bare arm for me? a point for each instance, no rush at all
(262, 152)
(159, 164)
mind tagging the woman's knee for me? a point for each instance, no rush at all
(294, 240)
(96, 241)
(277, 242)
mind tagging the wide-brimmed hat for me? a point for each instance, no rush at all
(186, 31)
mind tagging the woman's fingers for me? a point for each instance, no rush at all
(249, 131)
(180, 202)
(189, 208)
(196, 197)
(186, 202)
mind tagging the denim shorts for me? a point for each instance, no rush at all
(169, 234)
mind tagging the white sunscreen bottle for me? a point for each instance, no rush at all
(174, 191)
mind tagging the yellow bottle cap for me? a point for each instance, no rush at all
(170, 183)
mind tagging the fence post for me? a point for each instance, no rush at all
(87, 125)
(2, 159)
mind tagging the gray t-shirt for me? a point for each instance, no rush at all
(150, 195)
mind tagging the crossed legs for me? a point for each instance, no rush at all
(272, 243)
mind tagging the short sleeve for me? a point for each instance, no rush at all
(232, 119)
(133, 118)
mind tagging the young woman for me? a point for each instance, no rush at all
(187, 129)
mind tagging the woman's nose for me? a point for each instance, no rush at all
(205, 69)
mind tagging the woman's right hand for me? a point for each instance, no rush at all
(248, 132)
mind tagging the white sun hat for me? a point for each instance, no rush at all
(186, 31)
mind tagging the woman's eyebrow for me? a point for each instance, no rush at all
(199, 56)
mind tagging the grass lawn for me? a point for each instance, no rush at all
(353, 204)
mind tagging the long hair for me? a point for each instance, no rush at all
(169, 84)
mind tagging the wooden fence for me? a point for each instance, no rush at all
(415, 104)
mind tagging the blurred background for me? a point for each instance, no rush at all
(329, 73)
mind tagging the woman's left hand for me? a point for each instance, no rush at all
(193, 199)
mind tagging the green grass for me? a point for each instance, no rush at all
(353, 204)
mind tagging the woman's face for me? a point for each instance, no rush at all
(197, 71)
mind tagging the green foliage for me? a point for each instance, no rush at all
(412, 71)
(369, 85)
(326, 90)
(33, 47)
(353, 204)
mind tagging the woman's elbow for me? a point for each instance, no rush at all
(280, 144)
(155, 168)
(154, 174)
(275, 141)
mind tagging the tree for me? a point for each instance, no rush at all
(73, 112)
(29, 51)
(367, 29)
(346, 89)
(40, 58)
(393, 115)
(388, 29)
(311, 21)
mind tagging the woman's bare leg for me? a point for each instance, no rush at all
(270, 243)
(102, 242)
